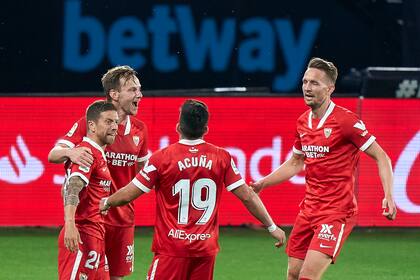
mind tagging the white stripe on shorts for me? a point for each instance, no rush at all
(76, 265)
(152, 274)
(340, 236)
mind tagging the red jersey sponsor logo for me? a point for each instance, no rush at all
(313, 151)
(190, 237)
(121, 159)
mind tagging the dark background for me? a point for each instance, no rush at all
(353, 34)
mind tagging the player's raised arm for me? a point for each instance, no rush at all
(287, 170)
(65, 147)
(80, 155)
(71, 200)
(255, 206)
(385, 173)
(121, 197)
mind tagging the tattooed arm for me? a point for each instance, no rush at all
(71, 200)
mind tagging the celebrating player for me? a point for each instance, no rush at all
(188, 178)
(81, 240)
(327, 141)
(125, 157)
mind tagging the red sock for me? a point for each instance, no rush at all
(304, 278)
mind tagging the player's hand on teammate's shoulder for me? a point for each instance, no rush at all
(389, 209)
(257, 186)
(81, 156)
(280, 235)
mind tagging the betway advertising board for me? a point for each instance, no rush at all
(65, 45)
(258, 132)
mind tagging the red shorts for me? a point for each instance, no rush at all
(326, 235)
(119, 246)
(179, 268)
(83, 264)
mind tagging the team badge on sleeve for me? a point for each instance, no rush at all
(72, 130)
(84, 168)
(235, 169)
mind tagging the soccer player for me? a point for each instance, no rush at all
(81, 240)
(328, 139)
(189, 177)
(125, 157)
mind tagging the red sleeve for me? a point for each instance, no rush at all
(143, 154)
(355, 131)
(75, 134)
(297, 145)
(232, 178)
(145, 180)
(81, 171)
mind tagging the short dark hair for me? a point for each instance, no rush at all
(96, 108)
(111, 79)
(326, 66)
(193, 119)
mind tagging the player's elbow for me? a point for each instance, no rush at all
(58, 154)
(298, 164)
(52, 158)
(248, 196)
(382, 157)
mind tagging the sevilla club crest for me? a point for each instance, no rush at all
(327, 132)
(136, 140)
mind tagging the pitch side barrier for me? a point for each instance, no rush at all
(391, 82)
(257, 129)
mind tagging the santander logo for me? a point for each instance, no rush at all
(20, 166)
(402, 171)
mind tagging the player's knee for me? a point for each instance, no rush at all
(292, 273)
(308, 274)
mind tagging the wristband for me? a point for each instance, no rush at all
(106, 204)
(272, 228)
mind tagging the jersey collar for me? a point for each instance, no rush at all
(324, 118)
(127, 126)
(95, 145)
(191, 142)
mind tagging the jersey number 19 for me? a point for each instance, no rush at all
(207, 205)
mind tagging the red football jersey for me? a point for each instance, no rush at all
(188, 178)
(331, 147)
(129, 147)
(98, 182)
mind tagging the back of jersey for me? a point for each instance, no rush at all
(188, 177)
